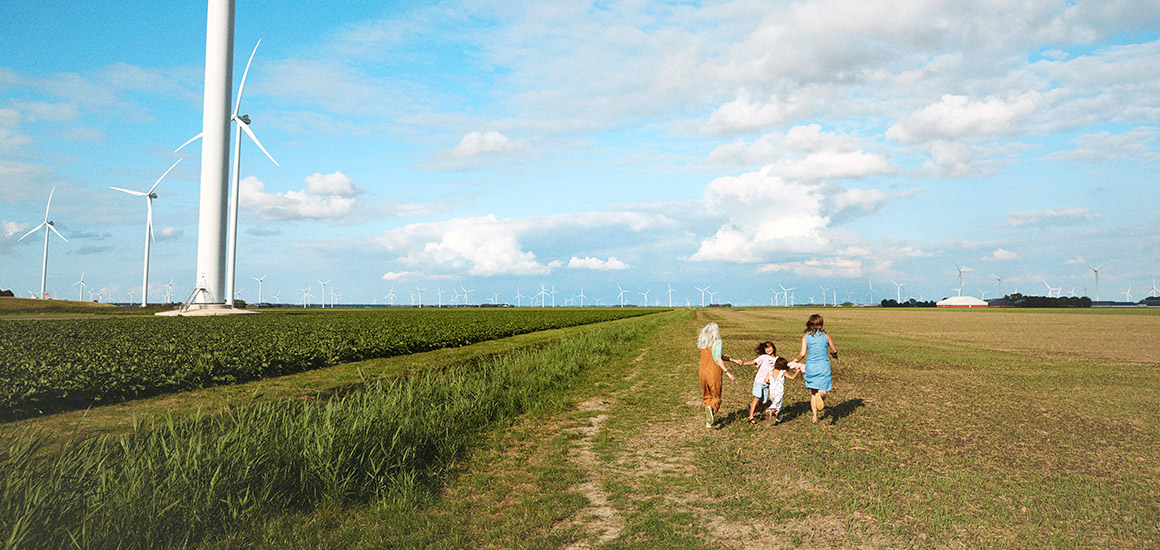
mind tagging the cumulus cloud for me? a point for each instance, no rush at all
(169, 232)
(1052, 217)
(819, 268)
(743, 115)
(401, 275)
(768, 215)
(956, 116)
(327, 196)
(596, 264)
(1078, 260)
(489, 245)
(805, 153)
(476, 143)
(13, 228)
(1001, 254)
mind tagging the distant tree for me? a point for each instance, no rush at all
(7, 293)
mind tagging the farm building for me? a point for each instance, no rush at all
(961, 301)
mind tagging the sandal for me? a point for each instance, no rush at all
(752, 421)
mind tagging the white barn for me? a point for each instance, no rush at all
(962, 301)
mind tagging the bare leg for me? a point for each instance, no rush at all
(753, 407)
(814, 403)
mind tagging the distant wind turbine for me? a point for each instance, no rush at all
(465, 293)
(581, 296)
(960, 278)
(420, 296)
(1128, 294)
(712, 293)
(1154, 291)
(670, 293)
(260, 279)
(621, 295)
(1000, 279)
(81, 296)
(149, 196)
(645, 294)
(1097, 272)
(391, 295)
(702, 293)
(519, 296)
(324, 291)
(899, 290)
(439, 292)
(47, 225)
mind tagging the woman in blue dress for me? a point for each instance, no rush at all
(815, 345)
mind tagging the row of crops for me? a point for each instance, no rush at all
(48, 366)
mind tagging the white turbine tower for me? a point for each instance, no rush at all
(983, 295)
(582, 296)
(260, 279)
(243, 125)
(495, 298)
(149, 196)
(702, 293)
(81, 296)
(543, 294)
(1153, 292)
(1128, 294)
(712, 294)
(519, 296)
(324, 291)
(420, 296)
(169, 292)
(899, 290)
(439, 292)
(391, 295)
(871, 290)
(1097, 272)
(47, 225)
(1000, 279)
(785, 291)
(465, 293)
(645, 294)
(670, 293)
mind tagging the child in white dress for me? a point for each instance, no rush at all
(776, 380)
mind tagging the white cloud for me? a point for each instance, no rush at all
(1078, 260)
(169, 232)
(36, 111)
(11, 229)
(820, 268)
(12, 138)
(401, 275)
(956, 116)
(596, 264)
(743, 115)
(1105, 146)
(488, 245)
(1052, 217)
(805, 153)
(476, 143)
(328, 196)
(1001, 254)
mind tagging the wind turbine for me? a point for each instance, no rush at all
(961, 271)
(582, 296)
(324, 291)
(670, 293)
(276, 295)
(47, 225)
(553, 294)
(420, 296)
(785, 291)
(439, 292)
(712, 294)
(260, 279)
(543, 295)
(81, 296)
(169, 292)
(1128, 294)
(824, 289)
(1097, 272)
(131, 293)
(1000, 279)
(645, 294)
(333, 298)
(899, 290)
(391, 295)
(1154, 291)
(1051, 289)
(465, 292)
(983, 295)
(518, 296)
(702, 293)
(243, 125)
(149, 196)
(871, 290)
(495, 298)
(621, 295)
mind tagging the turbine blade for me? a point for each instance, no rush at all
(163, 176)
(191, 140)
(238, 103)
(57, 233)
(246, 128)
(47, 206)
(34, 230)
(138, 193)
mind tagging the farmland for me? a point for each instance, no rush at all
(950, 429)
(54, 365)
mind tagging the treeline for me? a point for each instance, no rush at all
(908, 303)
(1019, 300)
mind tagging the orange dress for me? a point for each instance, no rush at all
(710, 380)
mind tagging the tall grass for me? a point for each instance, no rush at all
(175, 483)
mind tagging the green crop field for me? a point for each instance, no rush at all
(946, 429)
(61, 364)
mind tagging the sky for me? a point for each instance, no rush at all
(500, 146)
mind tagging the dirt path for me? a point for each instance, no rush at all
(648, 479)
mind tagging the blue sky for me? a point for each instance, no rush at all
(495, 146)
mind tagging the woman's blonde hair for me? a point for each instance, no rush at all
(709, 334)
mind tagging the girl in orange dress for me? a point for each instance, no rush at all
(711, 369)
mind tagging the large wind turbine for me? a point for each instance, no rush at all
(149, 196)
(702, 293)
(47, 225)
(712, 294)
(324, 291)
(621, 295)
(898, 290)
(1097, 272)
(670, 293)
(645, 294)
(243, 125)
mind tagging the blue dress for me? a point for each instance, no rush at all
(817, 372)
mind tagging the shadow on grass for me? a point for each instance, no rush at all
(843, 409)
